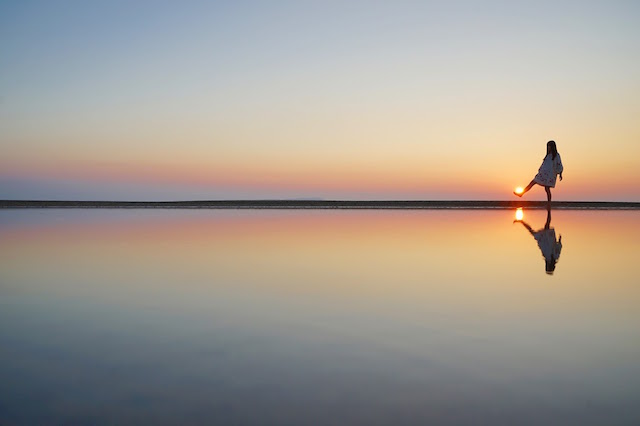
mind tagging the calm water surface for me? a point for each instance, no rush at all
(319, 317)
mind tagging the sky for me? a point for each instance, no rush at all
(179, 100)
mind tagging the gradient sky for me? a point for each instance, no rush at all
(345, 99)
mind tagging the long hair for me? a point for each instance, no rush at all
(552, 149)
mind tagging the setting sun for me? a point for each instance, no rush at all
(519, 190)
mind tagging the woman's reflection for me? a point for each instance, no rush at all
(546, 238)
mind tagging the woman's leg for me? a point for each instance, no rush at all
(524, 191)
(548, 222)
(528, 187)
(548, 191)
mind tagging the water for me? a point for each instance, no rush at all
(318, 317)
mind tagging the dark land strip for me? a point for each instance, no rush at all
(318, 204)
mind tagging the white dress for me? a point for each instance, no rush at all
(549, 246)
(548, 171)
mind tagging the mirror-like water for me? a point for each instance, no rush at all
(325, 317)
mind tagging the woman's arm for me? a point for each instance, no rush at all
(558, 166)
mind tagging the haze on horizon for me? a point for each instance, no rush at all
(337, 100)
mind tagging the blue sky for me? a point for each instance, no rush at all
(361, 99)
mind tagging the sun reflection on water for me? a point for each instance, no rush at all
(519, 214)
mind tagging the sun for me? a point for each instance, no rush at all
(519, 190)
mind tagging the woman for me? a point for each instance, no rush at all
(546, 239)
(550, 168)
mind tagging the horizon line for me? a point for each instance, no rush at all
(323, 204)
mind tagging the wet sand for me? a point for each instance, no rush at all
(322, 204)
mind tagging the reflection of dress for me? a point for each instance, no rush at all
(546, 239)
(548, 170)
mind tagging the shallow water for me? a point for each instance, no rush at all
(318, 317)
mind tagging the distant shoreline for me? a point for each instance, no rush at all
(319, 204)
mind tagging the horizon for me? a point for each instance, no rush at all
(356, 101)
(324, 204)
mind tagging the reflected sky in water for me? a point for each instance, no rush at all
(325, 317)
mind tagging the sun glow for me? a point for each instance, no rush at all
(519, 214)
(519, 190)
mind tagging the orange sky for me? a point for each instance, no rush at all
(421, 101)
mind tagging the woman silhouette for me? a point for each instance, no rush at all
(546, 239)
(551, 166)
